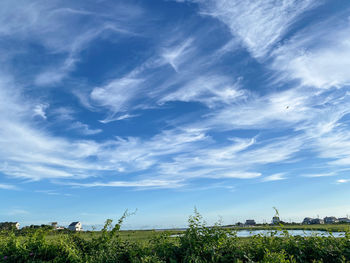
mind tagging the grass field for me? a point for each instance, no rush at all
(132, 235)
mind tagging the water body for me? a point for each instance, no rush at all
(303, 233)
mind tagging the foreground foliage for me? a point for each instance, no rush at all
(198, 244)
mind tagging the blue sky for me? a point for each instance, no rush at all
(230, 106)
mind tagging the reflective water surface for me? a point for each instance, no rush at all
(303, 233)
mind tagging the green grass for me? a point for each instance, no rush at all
(131, 235)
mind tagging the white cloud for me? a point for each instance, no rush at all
(84, 128)
(51, 77)
(16, 211)
(116, 95)
(119, 118)
(52, 192)
(63, 30)
(177, 54)
(236, 174)
(64, 114)
(317, 56)
(285, 108)
(8, 187)
(319, 175)
(212, 90)
(274, 177)
(316, 109)
(343, 181)
(258, 24)
(33, 172)
(231, 161)
(335, 145)
(31, 153)
(139, 184)
(40, 109)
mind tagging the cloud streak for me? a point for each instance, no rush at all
(8, 187)
(258, 24)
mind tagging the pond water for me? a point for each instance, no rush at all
(303, 233)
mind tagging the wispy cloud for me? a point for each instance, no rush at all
(176, 54)
(211, 90)
(8, 187)
(280, 108)
(120, 118)
(52, 192)
(258, 24)
(116, 95)
(55, 29)
(63, 114)
(174, 154)
(343, 181)
(16, 212)
(317, 55)
(39, 110)
(274, 177)
(319, 175)
(137, 184)
(84, 128)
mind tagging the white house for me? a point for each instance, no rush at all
(75, 226)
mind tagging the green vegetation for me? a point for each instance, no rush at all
(198, 243)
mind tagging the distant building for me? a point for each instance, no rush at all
(55, 226)
(250, 222)
(75, 226)
(9, 225)
(330, 220)
(317, 221)
(276, 220)
(344, 220)
(307, 221)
